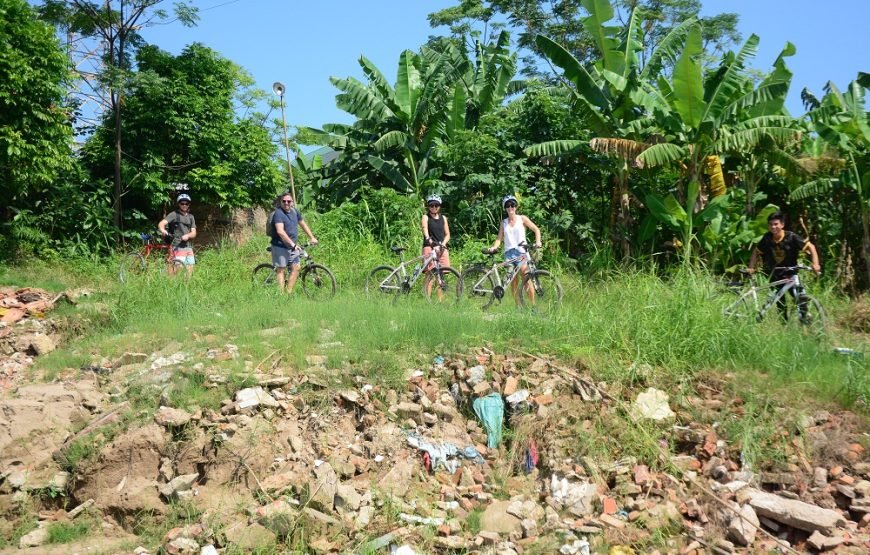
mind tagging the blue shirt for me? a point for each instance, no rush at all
(291, 221)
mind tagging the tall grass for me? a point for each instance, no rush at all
(615, 322)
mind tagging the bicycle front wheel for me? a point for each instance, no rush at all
(745, 308)
(383, 280)
(541, 292)
(812, 316)
(477, 286)
(133, 264)
(263, 275)
(318, 283)
(442, 284)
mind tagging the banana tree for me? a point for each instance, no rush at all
(842, 121)
(484, 85)
(721, 112)
(397, 127)
(615, 97)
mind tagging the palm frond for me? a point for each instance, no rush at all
(554, 148)
(661, 155)
(813, 189)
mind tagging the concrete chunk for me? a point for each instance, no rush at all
(743, 526)
(794, 513)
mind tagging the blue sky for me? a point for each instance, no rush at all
(303, 43)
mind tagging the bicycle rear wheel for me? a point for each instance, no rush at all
(541, 292)
(442, 284)
(133, 264)
(477, 286)
(263, 275)
(318, 283)
(383, 280)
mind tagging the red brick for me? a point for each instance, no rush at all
(610, 507)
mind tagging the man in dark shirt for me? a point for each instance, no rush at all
(181, 229)
(780, 248)
(287, 222)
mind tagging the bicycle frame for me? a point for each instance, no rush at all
(401, 269)
(515, 263)
(781, 286)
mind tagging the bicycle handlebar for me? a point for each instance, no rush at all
(749, 272)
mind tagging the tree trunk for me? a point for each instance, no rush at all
(865, 242)
(118, 210)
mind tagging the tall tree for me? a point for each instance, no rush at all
(562, 21)
(182, 126)
(116, 26)
(841, 119)
(615, 97)
(397, 127)
(35, 131)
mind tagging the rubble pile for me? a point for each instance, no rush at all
(24, 331)
(479, 453)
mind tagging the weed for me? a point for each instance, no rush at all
(471, 524)
(67, 532)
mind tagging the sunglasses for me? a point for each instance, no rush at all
(286, 202)
(184, 204)
(434, 205)
(510, 205)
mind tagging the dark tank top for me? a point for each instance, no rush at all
(436, 228)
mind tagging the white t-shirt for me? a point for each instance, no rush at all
(514, 235)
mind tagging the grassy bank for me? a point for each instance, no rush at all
(636, 328)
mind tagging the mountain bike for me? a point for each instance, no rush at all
(483, 285)
(317, 280)
(758, 300)
(396, 281)
(136, 263)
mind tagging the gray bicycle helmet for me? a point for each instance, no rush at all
(509, 198)
(182, 197)
(433, 199)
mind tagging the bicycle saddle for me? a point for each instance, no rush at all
(397, 250)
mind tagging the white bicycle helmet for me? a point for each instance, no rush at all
(509, 198)
(182, 197)
(433, 198)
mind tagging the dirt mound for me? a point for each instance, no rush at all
(485, 452)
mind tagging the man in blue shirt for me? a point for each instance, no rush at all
(287, 221)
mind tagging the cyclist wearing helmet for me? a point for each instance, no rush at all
(181, 229)
(513, 231)
(436, 232)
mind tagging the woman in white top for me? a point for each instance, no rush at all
(513, 231)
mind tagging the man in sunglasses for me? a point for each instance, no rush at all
(287, 221)
(181, 229)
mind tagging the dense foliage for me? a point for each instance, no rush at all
(35, 135)
(638, 137)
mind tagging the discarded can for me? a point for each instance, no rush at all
(846, 352)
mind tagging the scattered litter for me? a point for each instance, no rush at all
(490, 411)
(476, 374)
(438, 361)
(530, 462)
(577, 547)
(444, 454)
(846, 352)
(516, 399)
(652, 404)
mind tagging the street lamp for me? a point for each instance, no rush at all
(279, 89)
